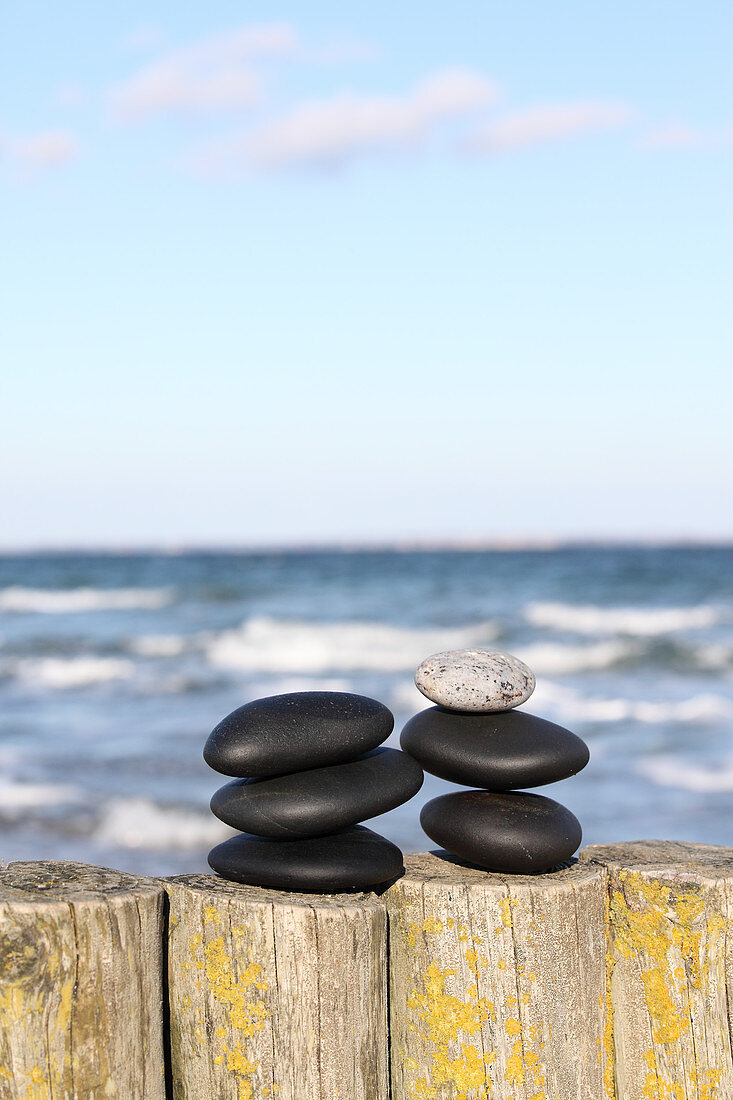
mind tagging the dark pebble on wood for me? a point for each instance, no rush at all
(515, 833)
(319, 800)
(355, 859)
(500, 752)
(303, 729)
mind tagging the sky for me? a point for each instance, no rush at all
(364, 273)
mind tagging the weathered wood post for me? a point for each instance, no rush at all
(81, 984)
(497, 983)
(612, 978)
(276, 994)
(670, 968)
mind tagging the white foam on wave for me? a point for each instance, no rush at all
(59, 601)
(140, 823)
(566, 704)
(158, 645)
(547, 659)
(406, 697)
(571, 705)
(640, 621)
(673, 771)
(271, 645)
(717, 658)
(16, 795)
(307, 683)
(63, 673)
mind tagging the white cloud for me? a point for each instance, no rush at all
(330, 132)
(215, 73)
(45, 150)
(679, 136)
(548, 123)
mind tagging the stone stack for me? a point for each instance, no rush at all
(309, 769)
(475, 737)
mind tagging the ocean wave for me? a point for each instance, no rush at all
(72, 672)
(571, 705)
(61, 601)
(674, 771)
(177, 683)
(405, 698)
(557, 660)
(140, 823)
(565, 704)
(159, 645)
(639, 621)
(716, 658)
(286, 684)
(271, 645)
(16, 796)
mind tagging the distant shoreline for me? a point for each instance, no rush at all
(398, 546)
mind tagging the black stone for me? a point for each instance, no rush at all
(500, 752)
(304, 729)
(320, 800)
(517, 833)
(355, 859)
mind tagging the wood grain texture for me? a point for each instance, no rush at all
(81, 984)
(497, 983)
(276, 994)
(670, 968)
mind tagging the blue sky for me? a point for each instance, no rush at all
(364, 273)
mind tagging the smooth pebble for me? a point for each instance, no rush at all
(302, 729)
(500, 751)
(475, 680)
(513, 833)
(319, 800)
(355, 859)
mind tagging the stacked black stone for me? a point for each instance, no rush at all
(475, 737)
(309, 768)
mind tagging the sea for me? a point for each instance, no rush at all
(114, 668)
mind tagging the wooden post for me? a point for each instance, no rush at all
(609, 979)
(670, 968)
(276, 994)
(497, 983)
(81, 984)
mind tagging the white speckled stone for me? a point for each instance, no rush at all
(475, 680)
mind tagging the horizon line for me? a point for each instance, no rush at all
(354, 546)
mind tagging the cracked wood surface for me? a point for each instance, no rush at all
(81, 993)
(608, 979)
(274, 994)
(497, 983)
(670, 968)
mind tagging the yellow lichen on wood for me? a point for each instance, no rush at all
(606, 1006)
(431, 926)
(80, 983)
(506, 1002)
(38, 1085)
(657, 1087)
(505, 907)
(231, 987)
(668, 969)
(446, 1021)
(444, 1015)
(467, 1073)
(523, 1064)
(288, 990)
(650, 919)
